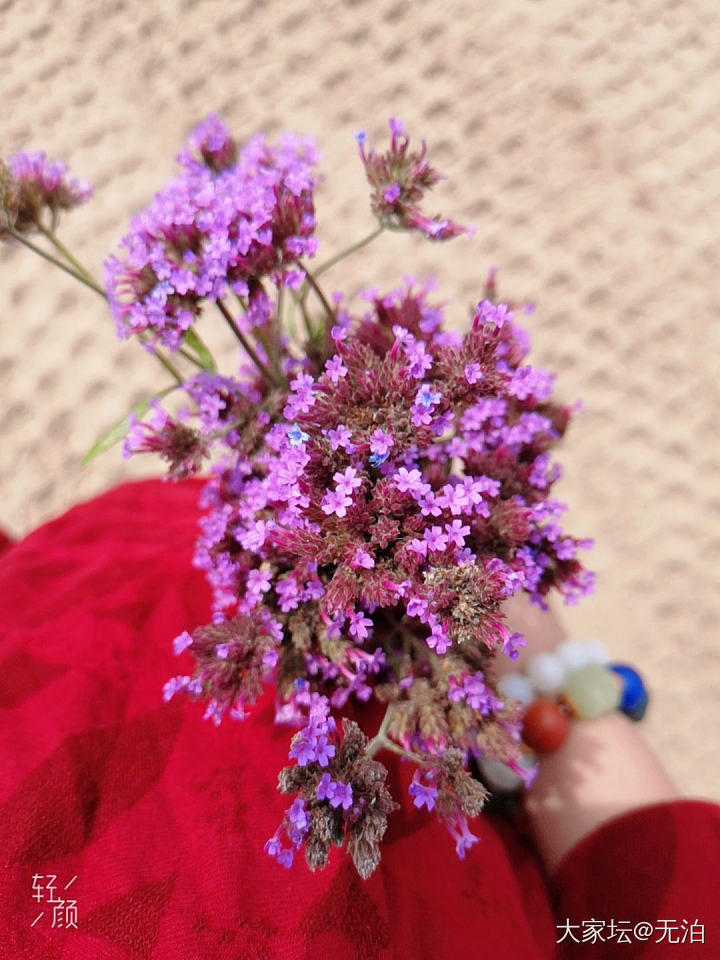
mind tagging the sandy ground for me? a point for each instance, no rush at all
(580, 138)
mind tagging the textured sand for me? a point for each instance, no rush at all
(580, 138)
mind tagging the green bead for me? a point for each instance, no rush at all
(592, 691)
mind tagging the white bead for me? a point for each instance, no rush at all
(498, 775)
(516, 686)
(579, 653)
(597, 651)
(546, 672)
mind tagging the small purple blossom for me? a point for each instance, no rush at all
(456, 532)
(360, 625)
(423, 794)
(427, 397)
(297, 815)
(513, 644)
(348, 481)
(337, 794)
(473, 372)
(439, 639)
(181, 642)
(410, 481)
(335, 369)
(362, 558)
(335, 502)
(343, 796)
(461, 834)
(312, 744)
(436, 539)
(325, 788)
(340, 437)
(381, 442)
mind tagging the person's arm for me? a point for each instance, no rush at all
(602, 770)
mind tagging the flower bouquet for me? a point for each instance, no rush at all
(377, 484)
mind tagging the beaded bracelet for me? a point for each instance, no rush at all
(576, 680)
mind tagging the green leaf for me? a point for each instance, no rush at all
(118, 431)
(201, 351)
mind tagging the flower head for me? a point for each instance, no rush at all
(31, 185)
(399, 178)
(228, 222)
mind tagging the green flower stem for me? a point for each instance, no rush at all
(382, 742)
(395, 748)
(73, 261)
(278, 329)
(58, 263)
(299, 302)
(192, 358)
(85, 278)
(318, 292)
(349, 250)
(250, 350)
(170, 367)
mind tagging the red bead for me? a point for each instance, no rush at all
(545, 725)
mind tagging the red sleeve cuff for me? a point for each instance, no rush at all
(659, 867)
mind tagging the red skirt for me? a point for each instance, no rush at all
(130, 828)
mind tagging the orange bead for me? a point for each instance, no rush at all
(545, 725)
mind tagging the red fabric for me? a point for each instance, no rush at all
(162, 817)
(5, 541)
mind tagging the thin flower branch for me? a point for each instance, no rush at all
(348, 251)
(58, 263)
(276, 352)
(249, 349)
(319, 293)
(87, 280)
(72, 260)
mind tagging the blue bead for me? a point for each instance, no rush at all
(638, 712)
(634, 699)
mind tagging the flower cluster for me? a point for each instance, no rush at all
(378, 487)
(234, 658)
(183, 448)
(399, 178)
(342, 798)
(383, 528)
(30, 186)
(230, 221)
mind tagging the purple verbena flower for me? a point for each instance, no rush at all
(376, 492)
(423, 794)
(399, 178)
(31, 186)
